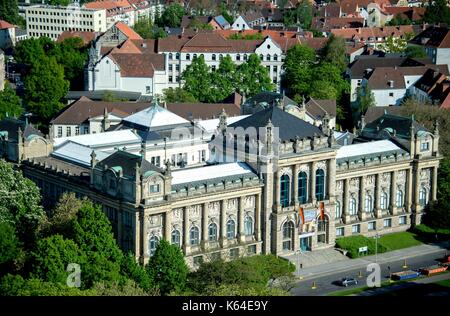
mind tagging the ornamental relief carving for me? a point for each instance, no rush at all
(385, 177)
(249, 201)
(214, 208)
(177, 214)
(286, 170)
(354, 184)
(232, 204)
(321, 165)
(339, 186)
(425, 174)
(370, 181)
(304, 168)
(154, 220)
(195, 211)
(401, 176)
(157, 232)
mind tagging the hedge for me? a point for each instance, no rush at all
(353, 243)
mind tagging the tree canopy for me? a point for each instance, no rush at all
(9, 103)
(437, 12)
(177, 95)
(415, 52)
(298, 69)
(171, 16)
(9, 11)
(335, 52)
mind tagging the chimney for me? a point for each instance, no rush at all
(391, 83)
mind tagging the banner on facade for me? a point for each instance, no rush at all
(301, 216)
(322, 211)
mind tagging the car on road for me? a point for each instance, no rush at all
(348, 281)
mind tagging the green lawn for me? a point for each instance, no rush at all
(399, 240)
(356, 290)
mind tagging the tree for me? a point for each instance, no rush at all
(72, 55)
(171, 16)
(33, 50)
(335, 52)
(437, 11)
(64, 3)
(224, 79)
(45, 86)
(9, 11)
(197, 24)
(143, 27)
(158, 32)
(330, 73)
(364, 99)
(114, 288)
(134, 271)
(197, 80)
(304, 14)
(177, 95)
(52, 256)
(415, 52)
(399, 19)
(93, 235)
(168, 268)
(11, 253)
(298, 69)
(20, 203)
(9, 103)
(240, 290)
(322, 90)
(224, 12)
(393, 45)
(253, 77)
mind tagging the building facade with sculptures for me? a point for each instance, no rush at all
(288, 186)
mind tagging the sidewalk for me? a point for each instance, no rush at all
(359, 263)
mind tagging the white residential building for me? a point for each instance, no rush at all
(51, 21)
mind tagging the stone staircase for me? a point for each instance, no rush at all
(317, 257)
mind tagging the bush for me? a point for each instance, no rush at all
(429, 233)
(353, 243)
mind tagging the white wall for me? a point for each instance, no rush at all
(240, 24)
(382, 97)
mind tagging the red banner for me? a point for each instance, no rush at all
(322, 211)
(301, 215)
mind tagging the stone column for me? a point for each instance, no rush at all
(393, 192)
(144, 233)
(168, 226)
(409, 190)
(205, 236)
(223, 224)
(362, 198)
(331, 178)
(378, 212)
(258, 216)
(277, 202)
(416, 190)
(137, 235)
(186, 225)
(241, 219)
(312, 187)
(434, 184)
(345, 201)
(295, 180)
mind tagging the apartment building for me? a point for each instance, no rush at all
(51, 21)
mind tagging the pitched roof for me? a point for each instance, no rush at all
(138, 65)
(127, 31)
(364, 33)
(289, 126)
(81, 110)
(318, 108)
(87, 37)
(386, 78)
(191, 111)
(375, 112)
(412, 13)
(252, 16)
(187, 20)
(12, 125)
(438, 37)
(5, 25)
(128, 162)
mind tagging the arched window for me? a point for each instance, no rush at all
(284, 190)
(423, 196)
(220, 57)
(194, 56)
(170, 56)
(288, 235)
(176, 237)
(177, 56)
(320, 185)
(188, 56)
(275, 57)
(238, 57)
(352, 206)
(399, 198)
(212, 232)
(248, 226)
(261, 57)
(368, 204)
(213, 56)
(338, 210)
(245, 56)
(268, 57)
(194, 236)
(384, 201)
(302, 187)
(152, 244)
(231, 229)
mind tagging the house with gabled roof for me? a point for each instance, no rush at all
(436, 42)
(248, 21)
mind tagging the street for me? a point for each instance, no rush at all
(324, 283)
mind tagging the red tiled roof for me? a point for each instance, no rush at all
(5, 25)
(128, 31)
(138, 65)
(364, 33)
(87, 37)
(412, 13)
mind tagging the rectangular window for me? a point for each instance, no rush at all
(59, 131)
(148, 90)
(339, 231)
(287, 245)
(154, 188)
(355, 229)
(391, 94)
(127, 231)
(156, 161)
(251, 249)
(77, 130)
(402, 220)
(68, 131)
(425, 146)
(372, 226)
(86, 130)
(387, 222)
(215, 256)
(234, 253)
(198, 260)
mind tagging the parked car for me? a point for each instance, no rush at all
(348, 281)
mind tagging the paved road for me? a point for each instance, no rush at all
(324, 281)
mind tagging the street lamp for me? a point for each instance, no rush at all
(376, 246)
(298, 252)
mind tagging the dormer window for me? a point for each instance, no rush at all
(154, 188)
(424, 146)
